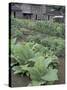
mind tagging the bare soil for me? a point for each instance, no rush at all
(61, 72)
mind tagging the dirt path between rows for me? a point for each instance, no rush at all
(61, 72)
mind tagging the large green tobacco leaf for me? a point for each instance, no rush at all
(20, 69)
(24, 67)
(51, 75)
(42, 72)
(17, 69)
(22, 52)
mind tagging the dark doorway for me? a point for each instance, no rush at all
(14, 14)
(36, 17)
(48, 17)
(27, 15)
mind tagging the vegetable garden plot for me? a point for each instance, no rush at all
(36, 47)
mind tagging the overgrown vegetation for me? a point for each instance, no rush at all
(35, 48)
(47, 27)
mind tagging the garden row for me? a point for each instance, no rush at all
(35, 48)
(28, 30)
(46, 27)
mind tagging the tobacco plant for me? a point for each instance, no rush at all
(34, 60)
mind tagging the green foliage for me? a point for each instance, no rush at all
(46, 27)
(22, 52)
(55, 44)
(34, 59)
(51, 75)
